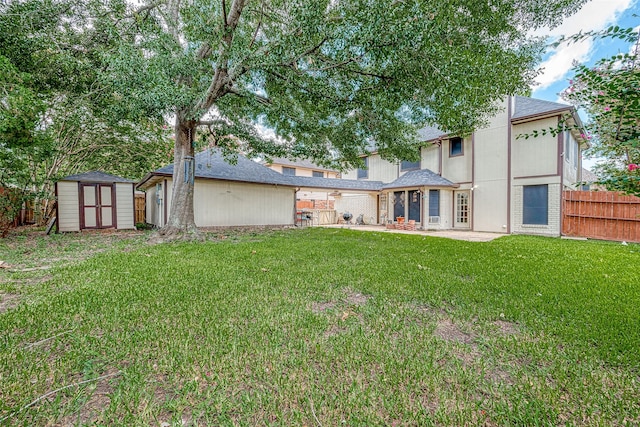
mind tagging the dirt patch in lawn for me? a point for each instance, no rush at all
(355, 298)
(8, 301)
(99, 399)
(507, 328)
(319, 307)
(449, 331)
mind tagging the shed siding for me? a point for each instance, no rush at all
(124, 206)
(68, 206)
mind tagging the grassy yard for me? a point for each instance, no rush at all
(319, 327)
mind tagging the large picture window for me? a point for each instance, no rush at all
(535, 204)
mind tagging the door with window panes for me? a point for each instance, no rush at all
(462, 209)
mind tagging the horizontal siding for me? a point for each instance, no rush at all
(124, 206)
(221, 203)
(68, 206)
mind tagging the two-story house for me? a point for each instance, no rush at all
(492, 180)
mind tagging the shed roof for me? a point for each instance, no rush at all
(96, 176)
(420, 178)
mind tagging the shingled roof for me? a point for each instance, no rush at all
(531, 107)
(212, 164)
(96, 176)
(420, 178)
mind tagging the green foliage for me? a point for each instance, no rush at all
(328, 77)
(321, 326)
(11, 200)
(610, 94)
(53, 119)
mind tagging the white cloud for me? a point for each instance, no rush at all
(594, 16)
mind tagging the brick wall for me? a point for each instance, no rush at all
(553, 226)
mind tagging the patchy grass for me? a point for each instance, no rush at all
(325, 327)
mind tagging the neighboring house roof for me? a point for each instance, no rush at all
(420, 178)
(304, 163)
(211, 164)
(338, 184)
(588, 176)
(96, 176)
(526, 107)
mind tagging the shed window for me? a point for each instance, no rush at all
(288, 171)
(318, 174)
(364, 173)
(535, 200)
(434, 202)
(455, 147)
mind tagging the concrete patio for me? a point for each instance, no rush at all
(470, 236)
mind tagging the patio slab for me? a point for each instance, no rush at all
(466, 235)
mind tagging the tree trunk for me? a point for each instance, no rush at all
(181, 223)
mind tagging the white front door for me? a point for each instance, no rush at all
(462, 207)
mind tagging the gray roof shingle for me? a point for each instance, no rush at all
(212, 164)
(96, 176)
(420, 178)
(429, 133)
(529, 107)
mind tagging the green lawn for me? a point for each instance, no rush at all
(319, 327)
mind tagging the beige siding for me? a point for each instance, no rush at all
(429, 158)
(382, 170)
(68, 206)
(124, 206)
(490, 192)
(534, 156)
(222, 203)
(457, 169)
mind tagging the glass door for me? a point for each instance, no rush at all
(462, 210)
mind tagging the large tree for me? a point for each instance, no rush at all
(328, 76)
(53, 120)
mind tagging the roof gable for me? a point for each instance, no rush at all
(420, 178)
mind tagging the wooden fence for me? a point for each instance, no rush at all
(140, 209)
(601, 215)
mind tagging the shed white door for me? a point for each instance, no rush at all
(97, 206)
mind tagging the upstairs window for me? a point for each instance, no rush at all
(288, 171)
(406, 165)
(364, 173)
(456, 148)
(318, 174)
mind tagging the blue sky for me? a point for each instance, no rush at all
(594, 16)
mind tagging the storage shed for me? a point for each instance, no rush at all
(94, 200)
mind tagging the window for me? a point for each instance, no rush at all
(535, 204)
(406, 165)
(455, 147)
(434, 202)
(364, 173)
(318, 174)
(288, 171)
